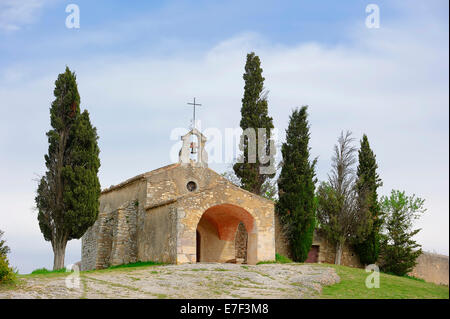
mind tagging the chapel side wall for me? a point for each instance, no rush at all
(114, 199)
(89, 247)
(157, 235)
(119, 213)
(282, 246)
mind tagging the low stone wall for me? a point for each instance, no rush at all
(327, 252)
(112, 239)
(432, 268)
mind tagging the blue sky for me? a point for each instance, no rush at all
(139, 62)
(162, 26)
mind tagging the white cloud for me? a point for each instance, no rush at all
(390, 83)
(15, 13)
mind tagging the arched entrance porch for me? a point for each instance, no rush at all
(216, 235)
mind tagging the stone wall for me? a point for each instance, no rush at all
(112, 239)
(89, 246)
(432, 268)
(327, 252)
(157, 235)
(241, 243)
(281, 241)
(120, 207)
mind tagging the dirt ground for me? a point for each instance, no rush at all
(191, 281)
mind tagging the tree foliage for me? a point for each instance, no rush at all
(337, 212)
(67, 195)
(7, 273)
(368, 181)
(4, 250)
(254, 115)
(296, 186)
(399, 250)
(269, 189)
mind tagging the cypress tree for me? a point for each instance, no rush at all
(255, 116)
(368, 181)
(68, 193)
(296, 185)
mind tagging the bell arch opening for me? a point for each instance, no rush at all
(226, 233)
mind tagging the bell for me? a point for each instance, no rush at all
(193, 148)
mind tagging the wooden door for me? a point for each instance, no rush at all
(313, 254)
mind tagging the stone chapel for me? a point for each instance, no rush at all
(180, 213)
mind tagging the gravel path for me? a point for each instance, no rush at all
(205, 280)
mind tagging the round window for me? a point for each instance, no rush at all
(191, 186)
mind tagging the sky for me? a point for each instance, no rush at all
(138, 64)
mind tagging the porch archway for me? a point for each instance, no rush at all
(217, 230)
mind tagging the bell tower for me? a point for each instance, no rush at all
(193, 145)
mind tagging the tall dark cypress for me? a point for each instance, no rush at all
(68, 193)
(367, 183)
(254, 114)
(296, 184)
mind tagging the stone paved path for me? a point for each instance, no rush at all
(206, 280)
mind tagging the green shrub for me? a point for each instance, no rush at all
(7, 274)
(282, 259)
(42, 271)
(279, 259)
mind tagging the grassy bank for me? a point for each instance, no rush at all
(352, 286)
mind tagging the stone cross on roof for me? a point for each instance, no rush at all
(194, 105)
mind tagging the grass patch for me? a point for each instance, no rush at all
(11, 284)
(352, 286)
(414, 278)
(137, 264)
(263, 262)
(197, 269)
(251, 281)
(62, 272)
(279, 259)
(282, 259)
(44, 271)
